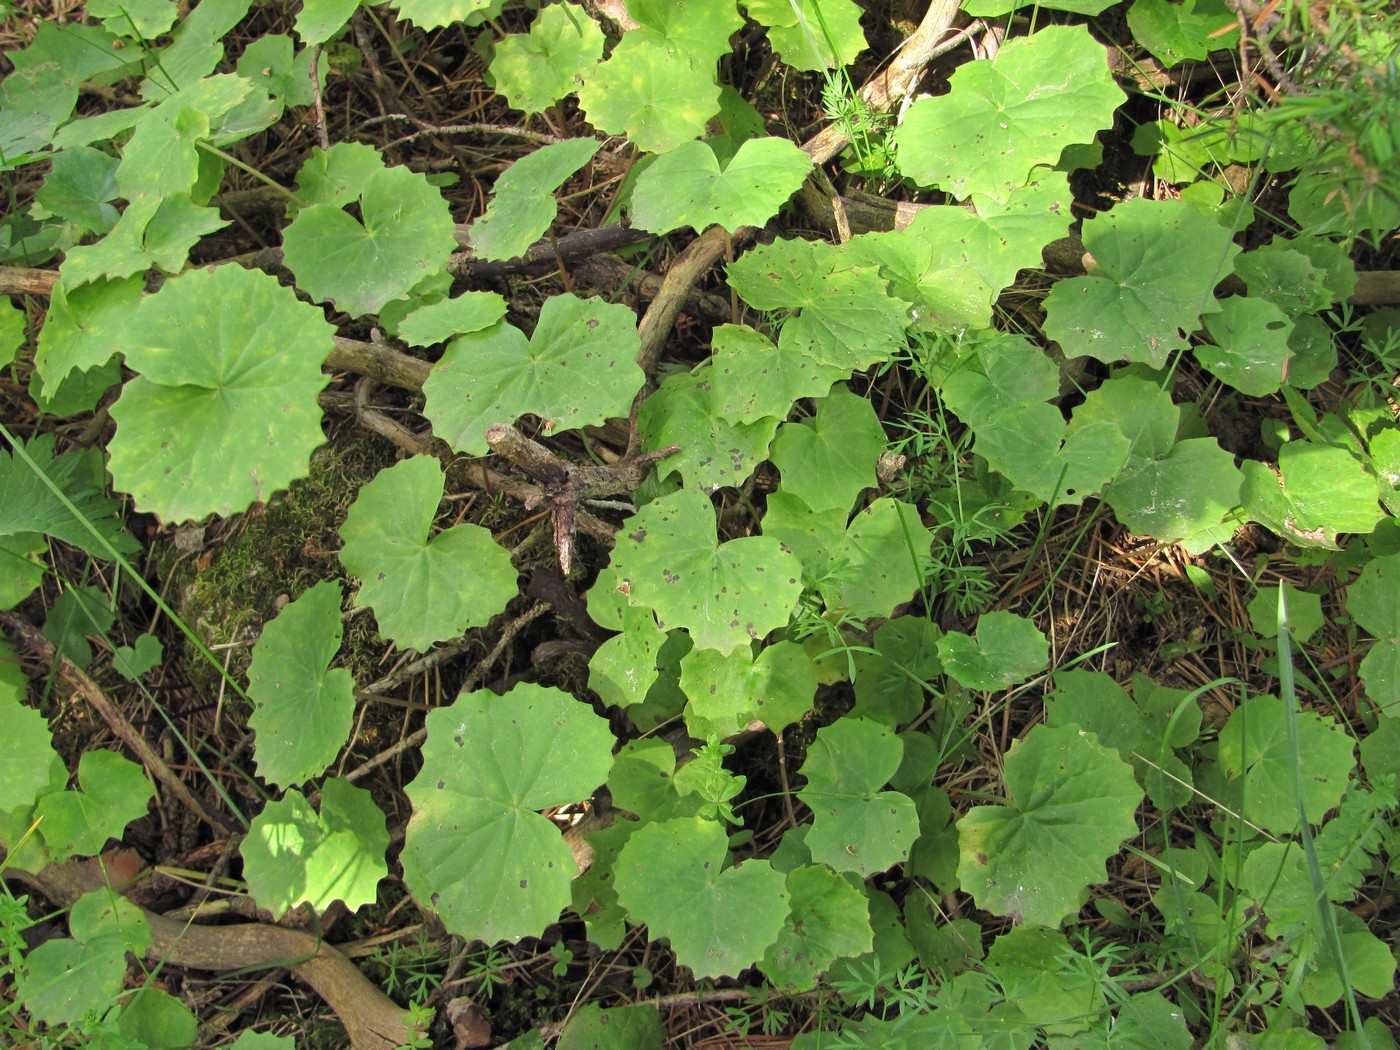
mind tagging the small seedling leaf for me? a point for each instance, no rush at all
(301, 711)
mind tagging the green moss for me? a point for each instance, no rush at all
(271, 554)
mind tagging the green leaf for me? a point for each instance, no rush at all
(434, 14)
(1005, 117)
(26, 747)
(1071, 804)
(952, 263)
(1305, 616)
(751, 379)
(1181, 497)
(728, 691)
(997, 8)
(1144, 730)
(1173, 491)
(620, 1028)
(1372, 601)
(830, 920)
(163, 156)
(319, 20)
(439, 321)
(77, 612)
(47, 74)
(891, 683)
(1255, 754)
(84, 327)
(882, 561)
(1189, 29)
(64, 980)
(685, 187)
(1006, 650)
(153, 231)
(423, 588)
(829, 459)
(80, 189)
(224, 412)
(1003, 396)
(803, 32)
(656, 96)
(151, 1017)
(1324, 491)
(28, 505)
(534, 70)
(713, 451)
(271, 63)
(1157, 265)
(476, 851)
(725, 594)
(523, 205)
(404, 233)
(132, 661)
(13, 328)
(700, 28)
(671, 876)
(838, 315)
(293, 856)
(578, 369)
(1370, 971)
(857, 827)
(1251, 345)
(112, 792)
(196, 49)
(333, 177)
(1300, 276)
(301, 711)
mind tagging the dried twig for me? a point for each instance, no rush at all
(563, 484)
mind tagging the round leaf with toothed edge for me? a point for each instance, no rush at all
(292, 854)
(406, 233)
(476, 851)
(224, 412)
(1071, 803)
(855, 826)
(720, 920)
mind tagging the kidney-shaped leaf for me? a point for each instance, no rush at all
(671, 876)
(476, 851)
(856, 826)
(112, 792)
(406, 235)
(830, 920)
(224, 412)
(725, 594)
(534, 70)
(301, 710)
(1158, 262)
(686, 187)
(1255, 753)
(1071, 803)
(291, 855)
(578, 369)
(1006, 649)
(422, 589)
(1374, 602)
(1005, 116)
